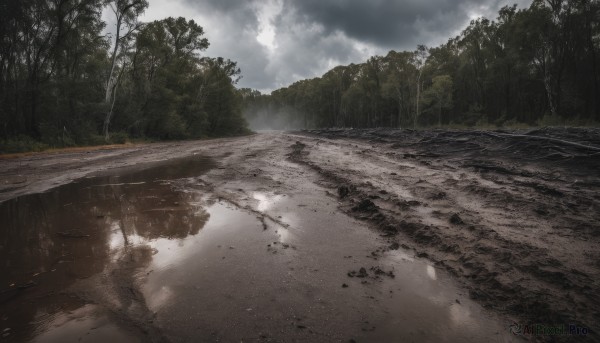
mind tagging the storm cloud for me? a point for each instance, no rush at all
(278, 42)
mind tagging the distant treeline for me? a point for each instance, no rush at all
(63, 82)
(534, 66)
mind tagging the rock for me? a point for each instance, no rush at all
(394, 246)
(344, 285)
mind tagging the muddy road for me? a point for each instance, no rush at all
(338, 235)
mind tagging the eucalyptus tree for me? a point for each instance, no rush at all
(126, 14)
(419, 61)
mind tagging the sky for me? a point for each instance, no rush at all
(278, 42)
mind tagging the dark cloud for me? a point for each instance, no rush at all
(394, 23)
(305, 38)
(240, 14)
(383, 22)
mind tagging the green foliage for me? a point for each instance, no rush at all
(173, 93)
(119, 138)
(438, 97)
(21, 144)
(62, 83)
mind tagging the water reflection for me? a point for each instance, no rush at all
(51, 240)
(431, 272)
(428, 307)
(266, 200)
(83, 323)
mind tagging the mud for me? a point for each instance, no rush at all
(514, 215)
(348, 235)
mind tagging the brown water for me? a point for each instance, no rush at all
(152, 254)
(53, 240)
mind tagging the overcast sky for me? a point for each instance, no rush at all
(278, 42)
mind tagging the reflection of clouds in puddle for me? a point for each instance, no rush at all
(266, 200)
(176, 262)
(461, 316)
(116, 242)
(431, 272)
(169, 252)
(159, 298)
(285, 236)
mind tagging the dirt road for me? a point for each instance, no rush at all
(340, 235)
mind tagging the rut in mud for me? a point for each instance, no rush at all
(514, 215)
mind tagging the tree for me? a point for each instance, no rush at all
(440, 94)
(126, 14)
(399, 84)
(419, 61)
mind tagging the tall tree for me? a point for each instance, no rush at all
(420, 61)
(126, 13)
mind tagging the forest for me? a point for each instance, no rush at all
(536, 66)
(64, 81)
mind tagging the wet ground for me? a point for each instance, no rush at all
(273, 237)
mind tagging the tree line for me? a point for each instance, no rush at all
(63, 81)
(533, 66)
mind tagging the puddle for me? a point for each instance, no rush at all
(421, 303)
(53, 240)
(151, 243)
(84, 324)
(266, 200)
